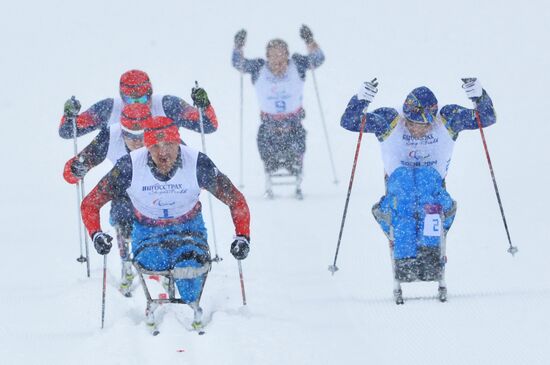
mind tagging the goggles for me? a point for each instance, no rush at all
(131, 100)
(421, 115)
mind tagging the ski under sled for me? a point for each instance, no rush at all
(428, 266)
(418, 270)
(283, 177)
(153, 303)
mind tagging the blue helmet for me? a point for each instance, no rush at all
(420, 106)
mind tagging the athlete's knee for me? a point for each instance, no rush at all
(153, 258)
(191, 262)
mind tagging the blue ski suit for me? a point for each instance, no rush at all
(415, 189)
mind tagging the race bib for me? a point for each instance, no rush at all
(432, 225)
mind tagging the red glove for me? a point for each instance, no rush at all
(68, 174)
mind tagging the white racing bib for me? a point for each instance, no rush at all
(116, 112)
(117, 146)
(164, 199)
(279, 94)
(157, 110)
(433, 150)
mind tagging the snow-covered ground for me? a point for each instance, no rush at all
(297, 313)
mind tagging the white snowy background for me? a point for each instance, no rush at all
(297, 312)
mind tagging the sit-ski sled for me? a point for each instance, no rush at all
(428, 265)
(283, 177)
(167, 280)
(168, 295)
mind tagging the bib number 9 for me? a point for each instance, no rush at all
(280, 106)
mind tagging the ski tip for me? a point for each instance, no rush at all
(153, 329)
(198, 327)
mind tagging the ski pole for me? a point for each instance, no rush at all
(333, 268)
(242, 281)
(511, 249)
(86, 242)
(104, 290)
(241, 170)
(79, 197)
(210, 206)
(324, 127)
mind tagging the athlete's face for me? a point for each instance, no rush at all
(133, 143)
(418, 130)
(164, 155)
(277, 60)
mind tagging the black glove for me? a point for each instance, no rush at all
(71, 108)
(200, 97)
(79, 169)
(240, 38)
(102, 242)
(240, 247)
(306, 34)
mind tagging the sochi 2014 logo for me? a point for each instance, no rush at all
(160, 203)
(418, 155)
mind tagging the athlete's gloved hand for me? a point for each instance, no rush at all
(306, 34)
(74, 171)
(368, 91)
(240, 247)
(71, 108)
(102, 242)
(200, 97)
(472, 87)
(240, 39)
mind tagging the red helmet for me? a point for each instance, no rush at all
(160, 129)
(134, 117)
(135, 84)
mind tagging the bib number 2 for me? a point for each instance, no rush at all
(432, 225)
